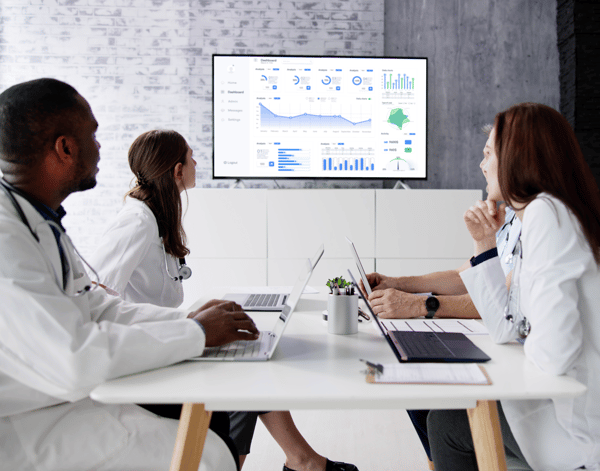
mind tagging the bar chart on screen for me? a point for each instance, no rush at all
(348, 158)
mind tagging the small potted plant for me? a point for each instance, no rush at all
(340, 286)
(342, 307)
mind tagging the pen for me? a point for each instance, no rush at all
(376, 366)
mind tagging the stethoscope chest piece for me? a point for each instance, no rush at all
(512, 311)
(184, 271)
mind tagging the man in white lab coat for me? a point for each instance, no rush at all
(59, 337)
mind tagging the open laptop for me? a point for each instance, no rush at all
(428, 346)
(264, 347)
(359, 266)
(261, 301)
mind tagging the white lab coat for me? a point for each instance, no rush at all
(560, 296)
(130, 258)
(55, 349)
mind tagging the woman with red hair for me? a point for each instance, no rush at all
(532, 163)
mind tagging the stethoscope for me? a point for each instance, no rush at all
(183, 271)
(508, 259)
(64, 244)
(512, 313)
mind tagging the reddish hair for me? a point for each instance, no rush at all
(538, 152)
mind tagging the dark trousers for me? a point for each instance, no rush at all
(241, 431)
(449, 436)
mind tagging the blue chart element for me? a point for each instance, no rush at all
(352, 164)
(326, 80)
(296, 80)
(292, 160)
(270, 119)
(357, 80)
(264, 77)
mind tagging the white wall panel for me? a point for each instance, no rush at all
(423, 223)
(227, 223)
(301, 220)
(285, 271)
(416, 266)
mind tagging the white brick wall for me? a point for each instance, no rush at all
(145, 64)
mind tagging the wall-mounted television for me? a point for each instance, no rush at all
(310, 117)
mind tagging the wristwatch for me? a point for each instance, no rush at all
(432, 304)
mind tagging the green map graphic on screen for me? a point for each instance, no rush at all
(398, 118)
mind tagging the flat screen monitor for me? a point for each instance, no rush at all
(319, 117)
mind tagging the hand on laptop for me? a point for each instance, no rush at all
(211, 303)
(379, 281)
(224, 322)
(391, 303)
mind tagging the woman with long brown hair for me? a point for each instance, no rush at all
(533, 163)
(141, 258)
(141, 254)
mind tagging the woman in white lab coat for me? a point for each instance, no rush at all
(141, 254)
(532, 161)
(141, 258)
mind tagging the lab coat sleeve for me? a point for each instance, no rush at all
(555, 255)
(104, 307)
(124, 245)
(63, 346)
(486, 285)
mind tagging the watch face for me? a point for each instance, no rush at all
(432, 303)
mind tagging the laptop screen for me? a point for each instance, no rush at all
(294, 297)
(361, 270)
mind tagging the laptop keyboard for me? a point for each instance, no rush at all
(262, 300)
(242, 348)
(424, 345)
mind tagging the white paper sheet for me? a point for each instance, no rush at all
(434, 373)
(462, 326)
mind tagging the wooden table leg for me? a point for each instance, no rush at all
(487, 437)
(193, 427)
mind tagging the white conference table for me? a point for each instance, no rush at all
(313, 369)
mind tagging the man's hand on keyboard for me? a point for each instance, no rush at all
(225, 322)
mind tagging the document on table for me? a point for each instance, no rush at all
(429, 373)
(461, 326)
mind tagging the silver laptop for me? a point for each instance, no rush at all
(259, 301)
(361, 270)
(264, 347)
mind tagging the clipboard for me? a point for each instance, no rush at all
(470, 374)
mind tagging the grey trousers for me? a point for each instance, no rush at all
(452, 444)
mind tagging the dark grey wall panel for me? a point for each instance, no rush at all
(483, 57)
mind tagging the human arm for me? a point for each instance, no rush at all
(555, 256)
(394, 298)
(64, 346)
(395, 304)
(443, 282)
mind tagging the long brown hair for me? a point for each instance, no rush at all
(538, 152)
(152, 159)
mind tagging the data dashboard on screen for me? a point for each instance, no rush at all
(319, 117)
